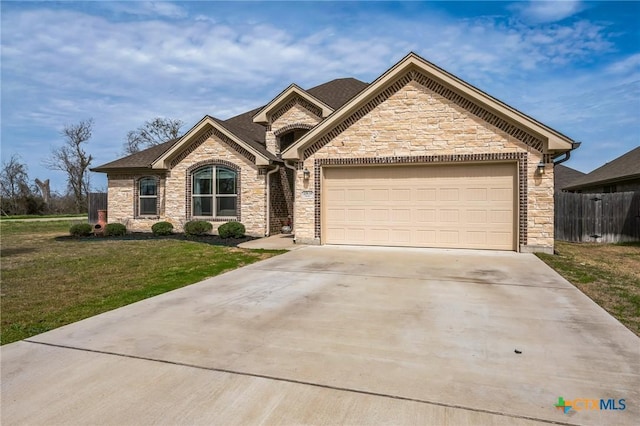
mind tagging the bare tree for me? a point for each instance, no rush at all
(17, 196)
(14, 184)
(72, 159)
(154, 132)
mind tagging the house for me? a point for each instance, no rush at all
(619, 175)
(416, 158)
(564, 176)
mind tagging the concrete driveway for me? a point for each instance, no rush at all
(337, 335)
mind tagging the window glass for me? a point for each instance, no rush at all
(202, 181)
(202, 206)
(148, 196)
(226, 181)
(148, 186)
(217, 198)
(148, 206)
(226, 206)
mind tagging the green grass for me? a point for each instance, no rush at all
(49, 282)
(607, 273)
(49, 216)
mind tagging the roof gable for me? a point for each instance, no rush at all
(290, 94)
(412, 67)
(627, 166)
(207, 127)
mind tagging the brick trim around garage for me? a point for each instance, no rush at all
(520, 157)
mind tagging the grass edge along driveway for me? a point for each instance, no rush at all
(608, 273)
(48, 282)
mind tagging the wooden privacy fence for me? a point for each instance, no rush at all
(601, 218)
(97, 201)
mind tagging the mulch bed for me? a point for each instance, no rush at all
(213, 240)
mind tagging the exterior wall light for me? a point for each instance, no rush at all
(306, 174)
(540, 168)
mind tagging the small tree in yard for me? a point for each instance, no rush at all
(151, 133)
(72, 159)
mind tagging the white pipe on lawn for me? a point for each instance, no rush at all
(269, 173)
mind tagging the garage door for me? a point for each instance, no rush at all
(449, 206)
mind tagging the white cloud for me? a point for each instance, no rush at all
(71, 65)
(145, 8)
(537, 12)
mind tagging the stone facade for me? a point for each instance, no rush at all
(417, 122)
(295, 115)
(410, 121)
(173, 196)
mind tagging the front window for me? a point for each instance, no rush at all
(148, 193)
(214, 192)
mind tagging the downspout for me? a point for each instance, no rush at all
(567, 154)
(269, 173)
(293, 203)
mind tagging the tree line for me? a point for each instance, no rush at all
(19, 195)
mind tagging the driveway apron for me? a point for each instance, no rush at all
(338, 334)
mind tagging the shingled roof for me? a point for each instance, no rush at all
(564, 176)
(334, 93)
(140, 160)
(625, 167)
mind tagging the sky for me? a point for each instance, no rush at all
(573, 65)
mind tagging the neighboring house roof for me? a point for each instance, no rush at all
(333, 93)
(564, 176)
(486, 106)
(625, 167)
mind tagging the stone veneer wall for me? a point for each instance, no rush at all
(173, 196)
(296, 114)
(417, 122)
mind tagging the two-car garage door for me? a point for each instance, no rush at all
(449, 206)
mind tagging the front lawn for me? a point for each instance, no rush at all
(607, 273)
(48, 282)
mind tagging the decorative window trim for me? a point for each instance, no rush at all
(188, 191)
(295, 126)
(136, 197)
(520, 157)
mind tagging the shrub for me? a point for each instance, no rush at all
(231, 229)
(162, 228)
(197, 227)
(81, 230)
(115, 230)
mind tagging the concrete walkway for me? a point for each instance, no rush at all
(337, 335)
(273, 242)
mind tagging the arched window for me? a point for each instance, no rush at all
(286, 139)
(148, 196)
(214, 192)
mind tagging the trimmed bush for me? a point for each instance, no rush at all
(162, 228)
(231, 229)
(197, 227)
(115, 230)
(81, 230)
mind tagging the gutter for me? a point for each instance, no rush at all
(567, 155)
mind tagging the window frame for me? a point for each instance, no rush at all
(214, 195)
(140, 196)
